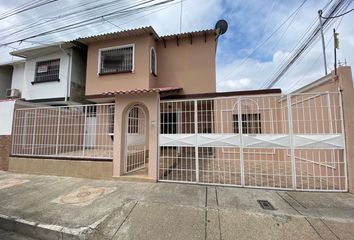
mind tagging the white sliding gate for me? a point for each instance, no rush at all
(267, 141)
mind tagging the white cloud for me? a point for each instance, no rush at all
(240, 84)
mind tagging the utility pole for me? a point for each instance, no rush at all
(336, 45)
(323, 41)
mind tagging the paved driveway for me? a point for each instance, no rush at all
(98, 209)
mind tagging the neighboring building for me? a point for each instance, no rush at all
(5, 79)
(53, 74)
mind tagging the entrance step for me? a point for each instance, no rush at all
(137, 176)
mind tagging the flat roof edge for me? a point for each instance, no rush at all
(224, 94)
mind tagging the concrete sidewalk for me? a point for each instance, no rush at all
(48, 207)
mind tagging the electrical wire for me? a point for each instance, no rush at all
(340, 15)
(337, 7)
(129, 10)
(25, 7)
(264, 41)
(66, 35)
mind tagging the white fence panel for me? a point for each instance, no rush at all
(267, 141)
(81, 131)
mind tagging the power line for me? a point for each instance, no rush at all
(338, 7)
(127, 10)
(25, 7)
(316, 60)
(264, 41)
(158, 9)
(95, 10)
(340, 15)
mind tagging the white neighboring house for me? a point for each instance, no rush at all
(51, 74)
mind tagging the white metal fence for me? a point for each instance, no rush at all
(81, 131)
(268, 141)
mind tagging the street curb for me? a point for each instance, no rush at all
(45, 231)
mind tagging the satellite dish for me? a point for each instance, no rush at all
(221, 27)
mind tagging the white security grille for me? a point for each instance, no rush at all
(268, 141)
(47, 71)
(82, 131)
(118, 59)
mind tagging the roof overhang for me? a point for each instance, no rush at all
(141, 31)
(42, 50)
(118, 35)
(201, 33)
(110, 96)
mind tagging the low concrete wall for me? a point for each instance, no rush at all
(61, 167)
(5, 148)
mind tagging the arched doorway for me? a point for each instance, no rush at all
(136, 142)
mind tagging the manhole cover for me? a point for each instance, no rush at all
(266, 204)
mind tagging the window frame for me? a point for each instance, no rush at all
(36, 70)
(153, 71)
(114, 48)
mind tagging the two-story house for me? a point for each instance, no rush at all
(135, 69)
(53, 74)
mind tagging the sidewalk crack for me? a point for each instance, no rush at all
(329, 228)
(295, 200)
(313, 228)
(125, 219)
(289, 203)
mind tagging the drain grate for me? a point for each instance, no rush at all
(266, 204)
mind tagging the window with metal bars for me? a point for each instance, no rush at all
(117, 60)
(47, 71)
(153, 62)
(251, 123)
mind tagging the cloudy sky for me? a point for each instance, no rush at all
(239, 65)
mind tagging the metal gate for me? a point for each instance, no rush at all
(265, 141)
(135, 152)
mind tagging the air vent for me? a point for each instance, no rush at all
(266, 204)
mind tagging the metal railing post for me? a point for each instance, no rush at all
(345, 143)
(196, 143)
(34, 130)
(84, 137)
(58, 127)
(240, 132)
(14, 132)
(291, 139)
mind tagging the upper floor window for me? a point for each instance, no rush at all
(117, 59)
(47, 71)
(153, 62)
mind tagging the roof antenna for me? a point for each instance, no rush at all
(180, 18)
